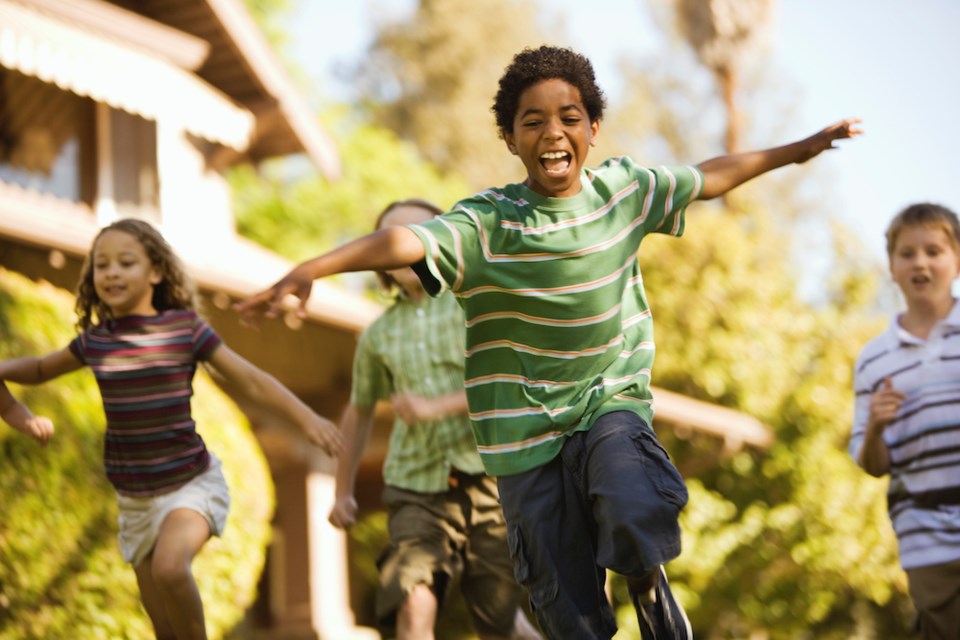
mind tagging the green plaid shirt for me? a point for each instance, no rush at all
(417, 349)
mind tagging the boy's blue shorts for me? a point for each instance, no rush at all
(610, 500)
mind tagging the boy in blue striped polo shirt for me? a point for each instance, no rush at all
(907, 412)
(559, 340)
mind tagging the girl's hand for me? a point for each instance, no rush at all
(884, 405)
(39, 428)
(324, 434)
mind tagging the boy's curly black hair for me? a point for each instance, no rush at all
(531, 66)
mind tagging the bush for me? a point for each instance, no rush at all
(62, 574)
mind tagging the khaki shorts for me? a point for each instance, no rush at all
(140, 518)
(438, 539)
(935, 591)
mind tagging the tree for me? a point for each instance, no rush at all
(793, 542)
(302, 218)
(723, 32)
(432, 77)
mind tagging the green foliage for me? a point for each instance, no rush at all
(432, 76)
(793, 542)
(303, 218)
(62, 575)
(268, 14)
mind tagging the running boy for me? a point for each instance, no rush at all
(907, 412)
(445, 522)
(559, 340)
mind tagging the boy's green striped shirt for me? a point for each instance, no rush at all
(558, 327)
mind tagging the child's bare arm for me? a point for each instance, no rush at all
(413, 409)
(355, 425)
(37, 369)
(388, 248)
(263, 389)
(884, 405)
(724, 173)
(18, 416)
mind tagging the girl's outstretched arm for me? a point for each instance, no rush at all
(17, 415)
(387, 248)
(37, 369)
(262, 389)
(722, 174)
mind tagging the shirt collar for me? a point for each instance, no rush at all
(897, 335)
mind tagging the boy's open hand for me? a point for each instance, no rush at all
(39, 428)
(269, 302)
(324, 434)
(884, 404)
(413, 409)
(824, 139)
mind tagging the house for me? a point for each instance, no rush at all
(135, 108)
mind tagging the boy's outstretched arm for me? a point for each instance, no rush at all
(387, 248)
(724, 173)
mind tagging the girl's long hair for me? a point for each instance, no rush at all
(175, 291)
(388, 284)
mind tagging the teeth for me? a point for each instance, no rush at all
(553, 155)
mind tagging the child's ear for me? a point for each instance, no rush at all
(508, 139)
(594, 132)
(155, 277)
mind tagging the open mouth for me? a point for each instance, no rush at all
(555, 162)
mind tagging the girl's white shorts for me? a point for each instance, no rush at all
(140, 518)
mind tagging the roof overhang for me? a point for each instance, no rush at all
(42, 39)
(284, 112)
(236, 267)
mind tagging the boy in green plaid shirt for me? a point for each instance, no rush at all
(445, 521)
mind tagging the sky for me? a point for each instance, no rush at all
(890, 62)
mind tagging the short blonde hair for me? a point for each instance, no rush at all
(924, 214)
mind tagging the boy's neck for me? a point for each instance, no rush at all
(919, 320)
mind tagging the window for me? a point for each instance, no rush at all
(133, 153)
(46, 138)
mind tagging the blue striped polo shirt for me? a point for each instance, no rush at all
(923, 440)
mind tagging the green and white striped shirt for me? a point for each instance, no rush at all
(558, 327)
(418, 349)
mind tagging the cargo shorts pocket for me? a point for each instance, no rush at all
(540, 585)
(661, 472)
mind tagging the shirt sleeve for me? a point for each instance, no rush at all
(371, 378)
(77, 345)
(448, 240)
(669, 192)
(205, 340)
